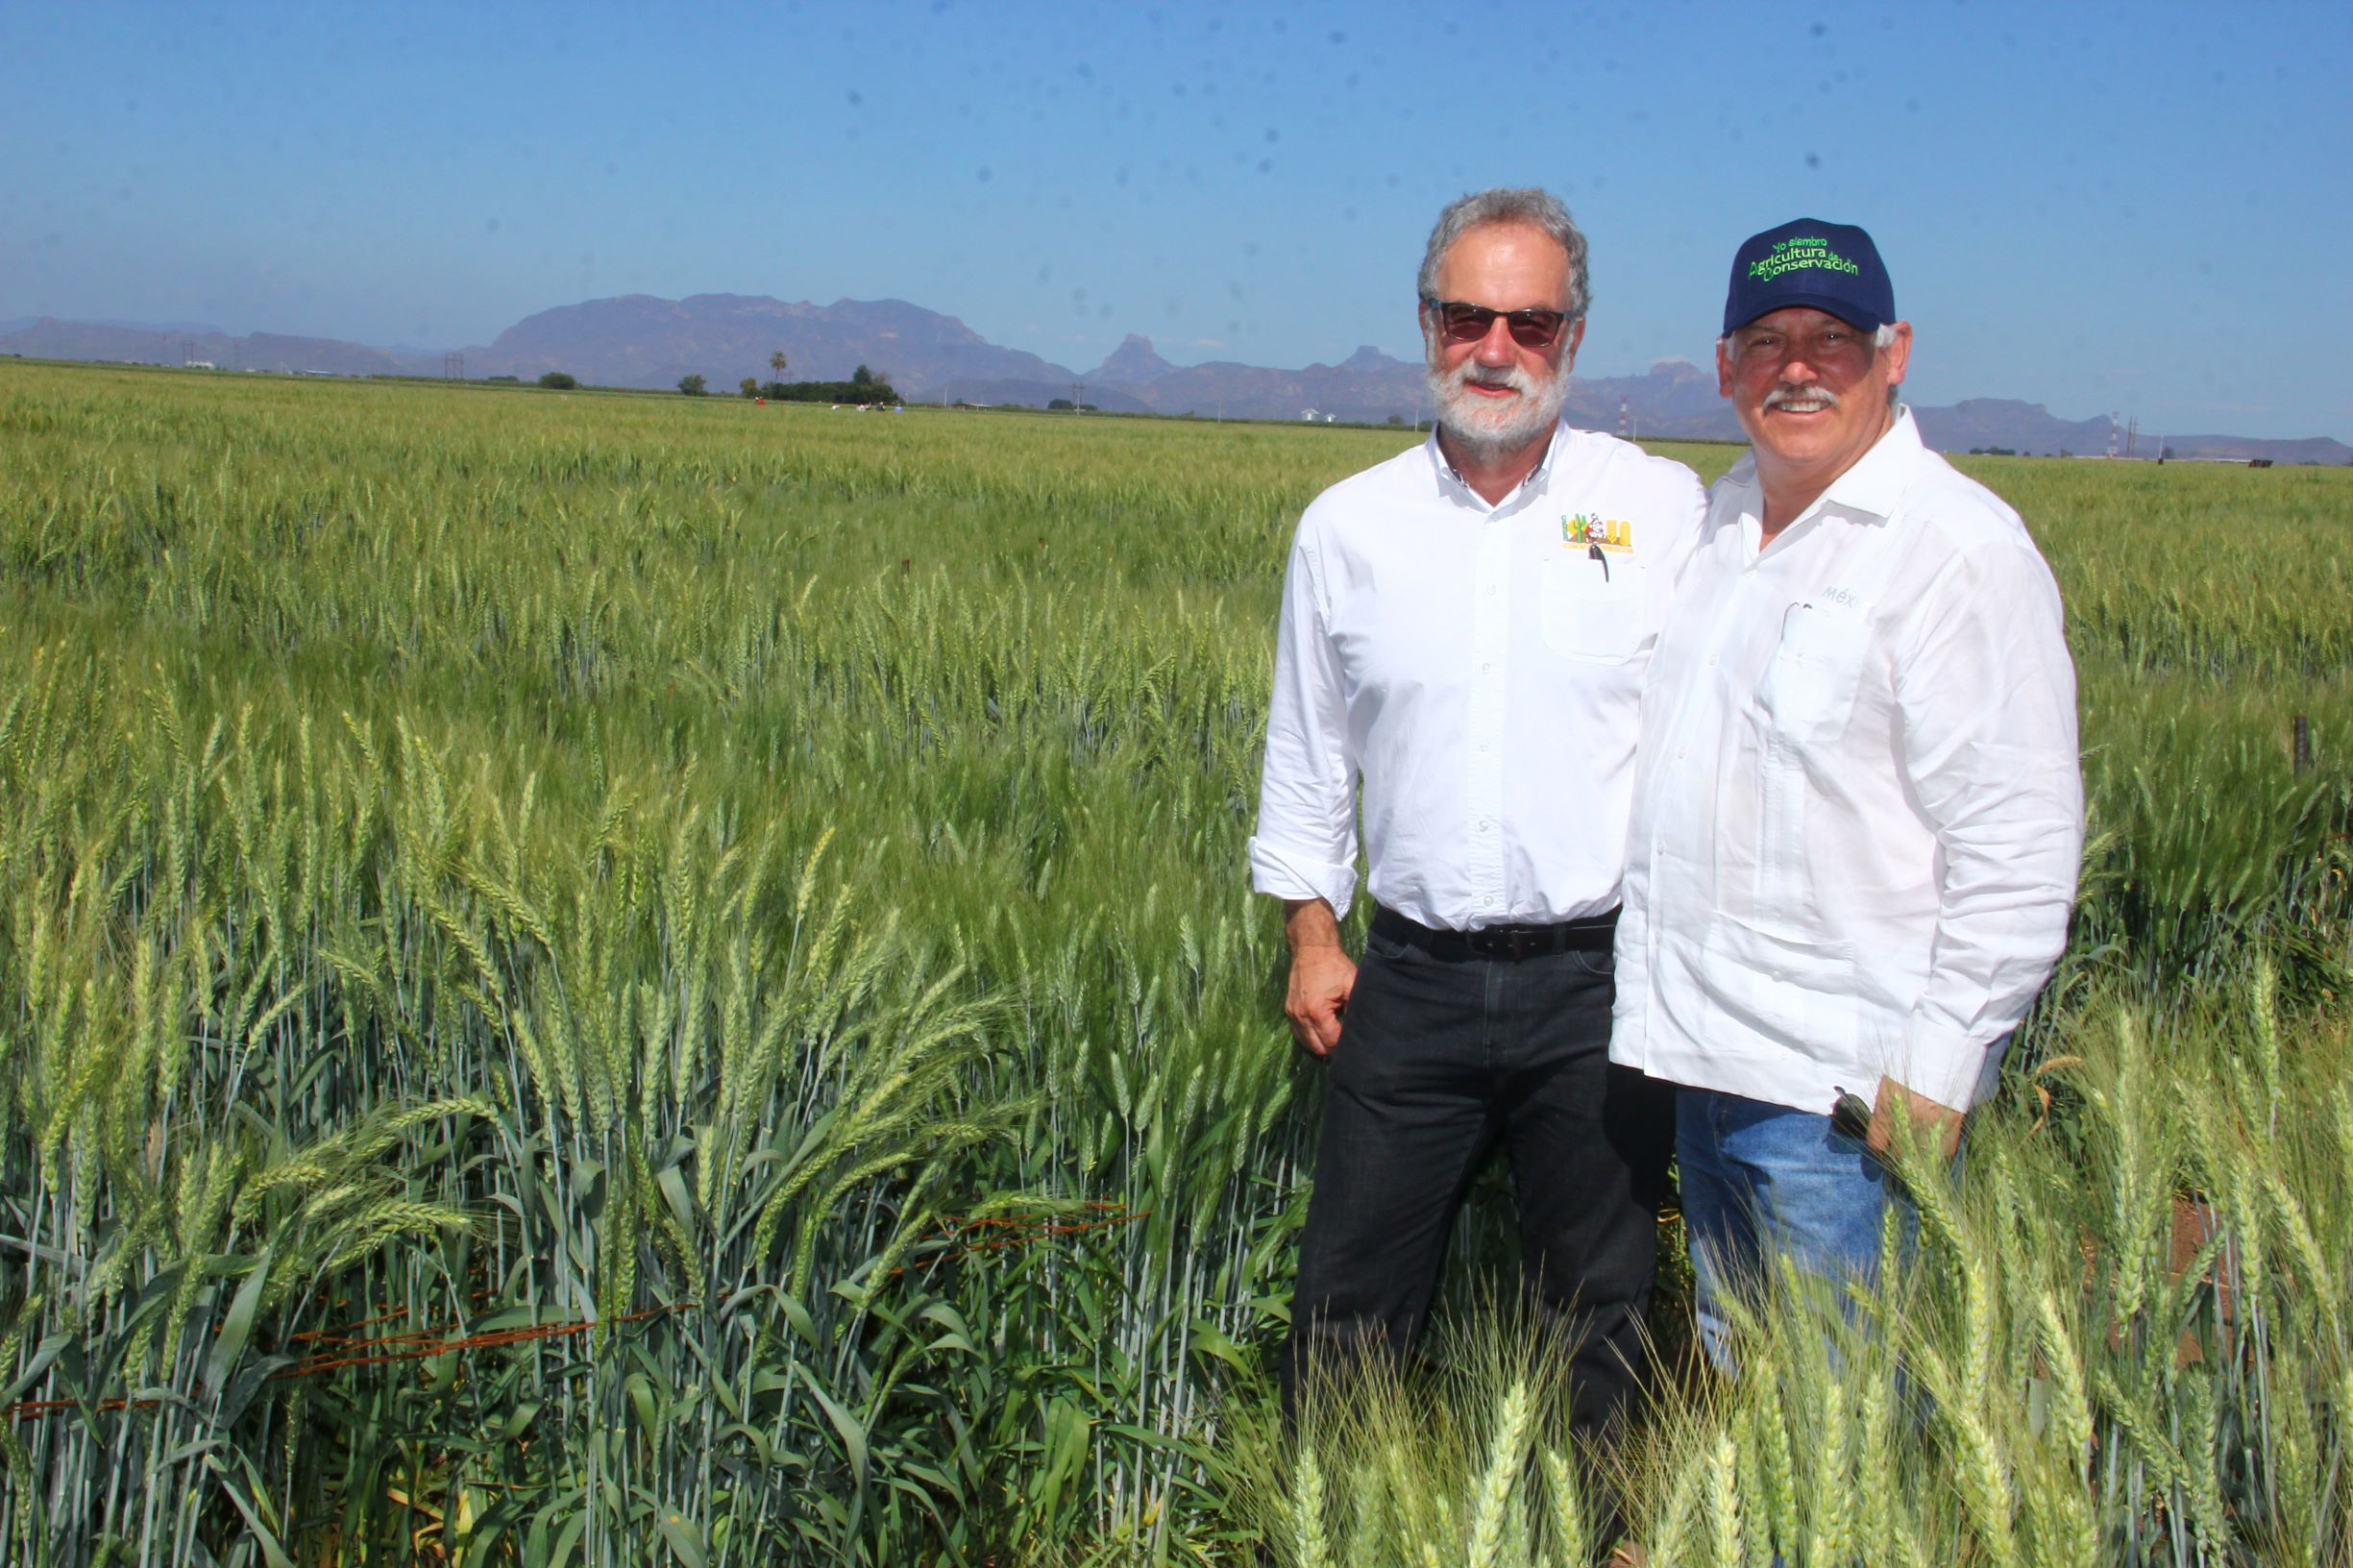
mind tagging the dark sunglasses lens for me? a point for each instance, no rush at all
(1467, 323)
(1535, 329)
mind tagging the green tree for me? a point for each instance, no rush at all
(750, 387)
(559, 381)
(862, 377)
(694, 386)
(776, 362)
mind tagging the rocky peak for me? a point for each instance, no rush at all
(1131, 364)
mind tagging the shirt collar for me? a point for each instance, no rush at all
(1877, 480)
(1450, 477)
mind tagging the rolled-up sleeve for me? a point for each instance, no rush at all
(1306, 842)
(1987, 695)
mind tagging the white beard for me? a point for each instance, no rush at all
(1487, 429)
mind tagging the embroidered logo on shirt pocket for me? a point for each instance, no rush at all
(1591, 609)
(1810, 684)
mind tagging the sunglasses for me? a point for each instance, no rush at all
(1469, 323)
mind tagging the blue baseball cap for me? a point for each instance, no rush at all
(1829, 266)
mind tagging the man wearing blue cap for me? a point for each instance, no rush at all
(1857, 812)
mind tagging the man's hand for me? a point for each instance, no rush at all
(1924, 1115)
(1322, 975)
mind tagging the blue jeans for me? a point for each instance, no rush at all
(1760, 1181)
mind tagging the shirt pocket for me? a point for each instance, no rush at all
(1815, 675)
(1591, 609)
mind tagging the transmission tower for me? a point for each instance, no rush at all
(2113, 434)
(1626, 421)
(452, 367)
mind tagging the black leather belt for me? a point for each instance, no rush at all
(1512, 942)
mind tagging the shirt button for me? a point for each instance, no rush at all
(1681, 751)
(1486, 668)
(1485, 824)
(1711, 658)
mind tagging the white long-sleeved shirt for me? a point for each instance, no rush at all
(1857, 813)
(1478, 668)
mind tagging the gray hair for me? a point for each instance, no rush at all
(1524, 204)
(1879, 339)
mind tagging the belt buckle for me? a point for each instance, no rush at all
(1509, 941)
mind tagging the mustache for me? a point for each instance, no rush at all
(1470, 373)
(1811, 392)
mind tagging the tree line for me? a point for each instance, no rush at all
(863, 387)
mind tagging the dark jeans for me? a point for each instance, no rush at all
(1439, 1056)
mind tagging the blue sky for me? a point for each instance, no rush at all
(2137, 206)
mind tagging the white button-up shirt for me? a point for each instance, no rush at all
(1858, 815)
(1479, 669)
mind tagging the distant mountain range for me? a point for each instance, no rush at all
(641, 341)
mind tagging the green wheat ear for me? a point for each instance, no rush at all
(1313, 1550)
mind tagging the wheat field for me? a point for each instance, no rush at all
(620, 980)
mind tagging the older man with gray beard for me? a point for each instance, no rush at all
(1463, 635)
